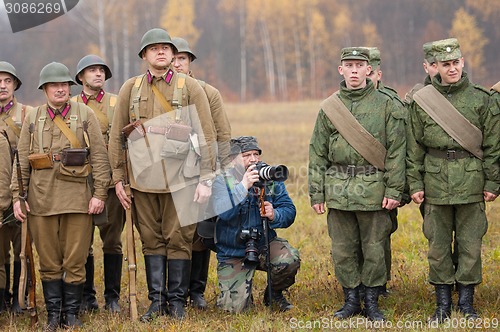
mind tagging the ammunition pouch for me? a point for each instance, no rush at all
(134, 130)
(41, 160)
(173, 131)
(175, 149)
(74, 156)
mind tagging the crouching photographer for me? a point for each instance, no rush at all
(238, 196)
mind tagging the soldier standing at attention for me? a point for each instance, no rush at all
(91, 73)
(452, 165)
(12, 114)
(168, 110)
(360, 178)
(60, 145)
(429, 68)
(201, 255)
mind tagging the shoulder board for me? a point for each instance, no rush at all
(74, 98)
(482, 88)
(386, 93)
(112, 101)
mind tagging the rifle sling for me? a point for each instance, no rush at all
(131, 259)
(353, 132)
(23, 278)
(450, 119)
(163, 102)
(8, 120)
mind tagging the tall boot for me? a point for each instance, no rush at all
(352, 305)
(6, 301)
(178, 283)
(112, 281)
(16, 309)
(200, 262)
(156, 268)
(443, 303)
(372, 311)
(89, 301)
(53, 296)
(72, 301)
(466, 301)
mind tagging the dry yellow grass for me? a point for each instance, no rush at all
(284, 131)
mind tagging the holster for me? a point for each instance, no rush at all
(74, 156)
(41, 160)
(134, 130)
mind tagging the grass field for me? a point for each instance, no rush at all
(284, 131)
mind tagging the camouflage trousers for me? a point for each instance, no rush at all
(235, 278)
(465, 224)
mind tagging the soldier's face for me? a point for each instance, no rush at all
(8, 84)
(375, 75)
(57, 93)
(355, 73)
(450, 71)
(158, 56)
(430, 68)
(182, 62)
(93, 77)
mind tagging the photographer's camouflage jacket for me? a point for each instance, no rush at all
(458, 181)
(385, 120)
(239, 209)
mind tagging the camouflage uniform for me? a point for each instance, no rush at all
(454, 186)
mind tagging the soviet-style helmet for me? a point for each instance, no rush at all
(91, 60)
(55, 72)
(155, 36)
(183, 46)
(6, 67)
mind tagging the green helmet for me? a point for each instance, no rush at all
(155, 36)
(91, 60)
(6, 67)
(55, 72)
(182, 46)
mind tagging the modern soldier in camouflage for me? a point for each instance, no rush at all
(357, 194)
(454, 180)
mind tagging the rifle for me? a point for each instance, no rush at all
(26, 256)
(265, 224)
(132, 267)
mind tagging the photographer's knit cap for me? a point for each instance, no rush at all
(243, 144)
(446, 49)
(354, 53)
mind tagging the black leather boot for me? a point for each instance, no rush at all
(89, 301)
(72, 301)
(279, 301)
(352, 305)
(466, 301)
(15, 308)
(178, 283)
(6, 301)
(53, 296)
(443, 303)
(371, 309)
(112, 281)
(156, 268)
(199, 274)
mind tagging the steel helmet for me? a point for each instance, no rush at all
(155, 36)
(55, 72)
(182, 46)
(91, 60)
(6, 67)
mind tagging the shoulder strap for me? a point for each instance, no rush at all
(70, 135)
(353, 132)
(8, 120)
(452, 121)
(41, 124)
(179, 86)
(163, 102)
(135, 98)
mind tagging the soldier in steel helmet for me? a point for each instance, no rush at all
(358, 178)
(92, 73)
(453, 168)
(12, 114)
(5, 201)
(201, 254)
(170, 114)
(60, 146)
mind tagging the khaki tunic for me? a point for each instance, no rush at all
(5, 197)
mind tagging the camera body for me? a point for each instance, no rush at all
(250, 237)
(270, 173)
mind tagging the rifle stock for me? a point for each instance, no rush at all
(131, 258)
(265, 223)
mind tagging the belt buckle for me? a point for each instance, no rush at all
(351, 170)
(56, 157)
(451, 154)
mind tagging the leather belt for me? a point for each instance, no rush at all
(353, 170)
(449, 154)
(56, 157)
(157, 130)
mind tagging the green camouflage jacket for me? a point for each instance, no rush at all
(385, 120)
(458, 181)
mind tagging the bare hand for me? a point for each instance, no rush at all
(202, 193)
(389, 203)
(319, 208)
(489, 197)
(96, 206)
(250, 177)
(418, 197)
(122, 195)
(18, 212)
(269, 211)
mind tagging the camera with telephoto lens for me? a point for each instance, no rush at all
(270, 173)
(250, 237)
